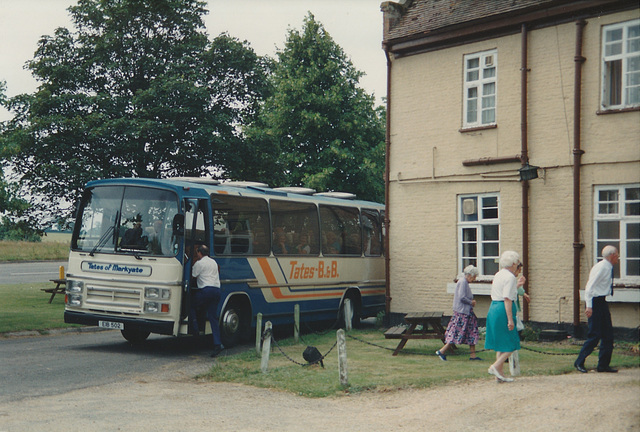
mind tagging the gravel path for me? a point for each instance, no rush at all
(176, 402)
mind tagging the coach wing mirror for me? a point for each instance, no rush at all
(178, 225)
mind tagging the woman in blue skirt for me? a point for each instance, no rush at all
(502, 336)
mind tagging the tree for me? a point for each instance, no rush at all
(12, 208)
(137, 90)
(318, 128)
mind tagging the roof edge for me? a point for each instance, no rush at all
(494, 25)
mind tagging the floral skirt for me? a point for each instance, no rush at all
(462, 329)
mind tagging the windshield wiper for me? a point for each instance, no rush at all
(105, 236)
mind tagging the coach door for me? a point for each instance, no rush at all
(196, 233)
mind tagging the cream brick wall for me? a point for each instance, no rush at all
(427, 175)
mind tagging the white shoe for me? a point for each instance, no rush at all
(495, 373)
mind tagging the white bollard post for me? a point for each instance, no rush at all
(514, 364)
(342, 357)
(296, 323)
(266, 348)
(258, 332)
(348, 314)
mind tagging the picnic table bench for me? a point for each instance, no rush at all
(431, 323)
(60, 288)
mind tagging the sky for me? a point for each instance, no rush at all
(355, 25)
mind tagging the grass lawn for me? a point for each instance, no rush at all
(371, 365)
(26, 307)
(34, 251)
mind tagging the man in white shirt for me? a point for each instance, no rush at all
(206, 295)
(599, 286)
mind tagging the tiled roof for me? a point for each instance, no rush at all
(425, 16)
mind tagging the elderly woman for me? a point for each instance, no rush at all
(502, 336)
(463, 326)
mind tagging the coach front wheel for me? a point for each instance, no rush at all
(234, 324)
(135, 336)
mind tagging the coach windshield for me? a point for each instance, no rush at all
(126, 219)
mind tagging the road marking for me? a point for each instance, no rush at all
(27, 274)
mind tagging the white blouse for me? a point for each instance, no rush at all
(505, 285)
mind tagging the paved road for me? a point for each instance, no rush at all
(30, 272)
(56, 364)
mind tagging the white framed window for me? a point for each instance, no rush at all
(480, 87)
(479, 232)
(621, 65)
(617, 222)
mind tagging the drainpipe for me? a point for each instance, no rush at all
(524, 159)
(387, 222)
(577, 154)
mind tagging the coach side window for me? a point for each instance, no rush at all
(371, 233)
(295, 228)
(241, 225)
(341, 230)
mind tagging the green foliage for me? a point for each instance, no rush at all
(530, 334)
(318, 129)
(13, 224)
(380, 319)
(136, 90)
(18, 231)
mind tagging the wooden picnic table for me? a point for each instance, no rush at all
(60, 288)
(431, 323)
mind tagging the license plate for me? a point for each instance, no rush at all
(111, 325)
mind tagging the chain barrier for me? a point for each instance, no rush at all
(477, 351)
(393, 349)
(370, 343)
(548, 353)
(270, 335)
(333, 326)
(385, 348)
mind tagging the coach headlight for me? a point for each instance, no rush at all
(151, 307)
(157, 293)
(74, 299)
(156, 307)
(74, 286)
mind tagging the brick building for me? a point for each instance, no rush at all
(478, 92)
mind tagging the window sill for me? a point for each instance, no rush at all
(477, 288)
(478, 128)
(621, 295)
(605, 111)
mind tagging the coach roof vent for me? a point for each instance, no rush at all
(341, 195)
(296, 190)
(244, 184)
(201, 180)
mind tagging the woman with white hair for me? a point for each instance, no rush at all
(502, 336)
(463, 326)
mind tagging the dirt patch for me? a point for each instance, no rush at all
(175, 402)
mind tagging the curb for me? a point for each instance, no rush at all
(51, 332)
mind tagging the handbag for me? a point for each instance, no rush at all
(519, 324)
(313, 356)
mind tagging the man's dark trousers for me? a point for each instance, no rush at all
(208, 299)
(600, 329)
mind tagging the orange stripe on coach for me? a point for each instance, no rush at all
(277, 291)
